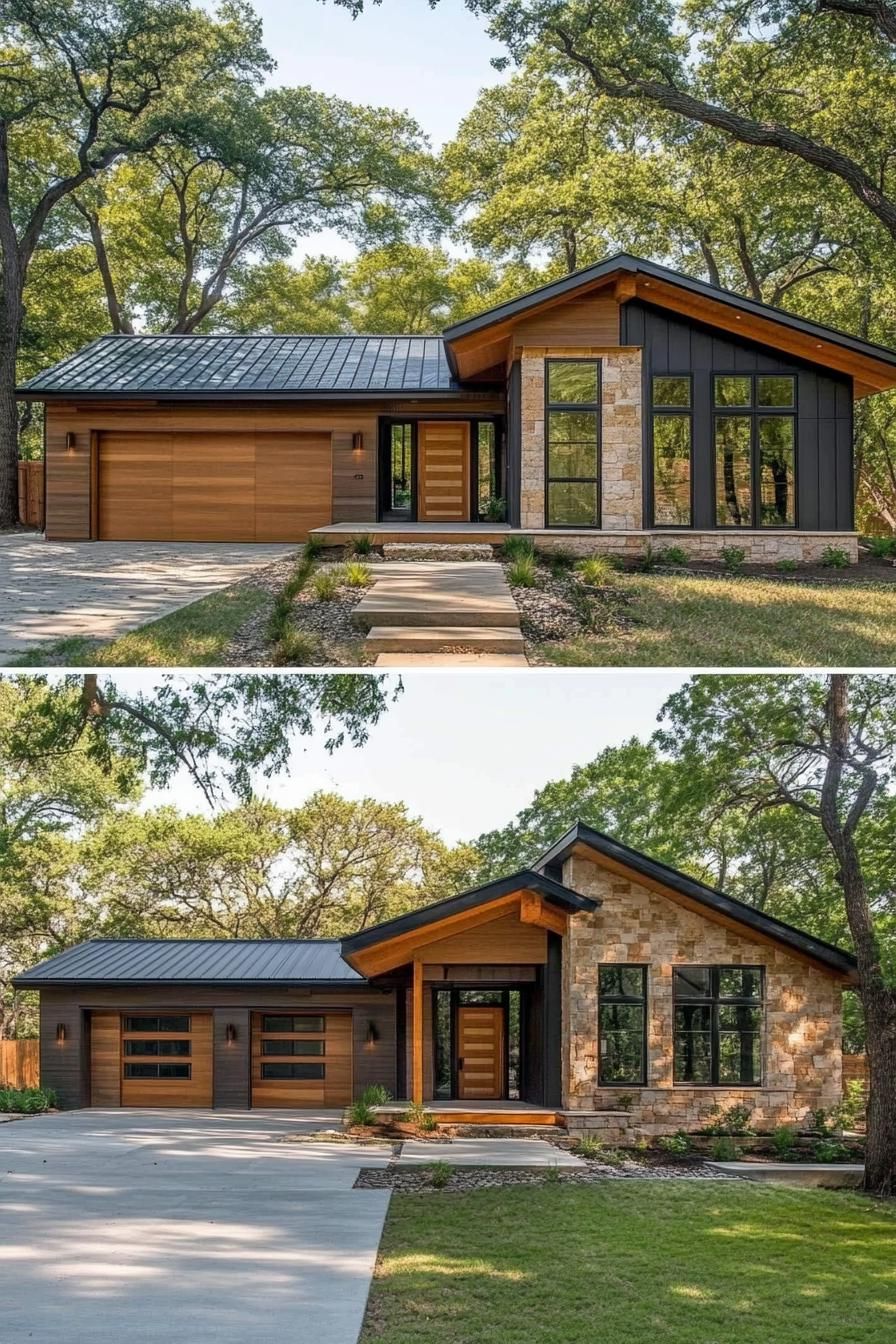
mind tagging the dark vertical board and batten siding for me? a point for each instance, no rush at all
(824, 454)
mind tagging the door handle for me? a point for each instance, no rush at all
(460, 1062)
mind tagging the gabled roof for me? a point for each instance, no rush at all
(170, 961)
(246, 366)
(714, 901)
(526, 880)
(873, 366)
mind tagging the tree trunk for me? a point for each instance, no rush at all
(878, 999)
(10, 326)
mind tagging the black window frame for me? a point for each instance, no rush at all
(549, 480)
(157, 1029)
(293, 1052)
(714, 1001)
(656, 409)
(294, 1074)
(140, 1070)
(631, 1001)
(293, 1030)
(754, 412)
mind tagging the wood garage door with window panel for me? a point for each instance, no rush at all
(211, 486)
(301, 1059)
(151, 1059)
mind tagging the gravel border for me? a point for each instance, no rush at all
(417, 1180)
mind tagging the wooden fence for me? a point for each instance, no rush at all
(31, 494)
(19, 1063)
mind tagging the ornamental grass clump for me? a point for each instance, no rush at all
(325, 584)
(596, 570)
(357, 575)
(522, 573)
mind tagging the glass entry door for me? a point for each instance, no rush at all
(397, 472)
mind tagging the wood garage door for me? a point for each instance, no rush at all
(151, 1059)
(301, 1059)
(254, 486)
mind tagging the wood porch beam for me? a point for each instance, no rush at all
(417, 1033)
(534, 910)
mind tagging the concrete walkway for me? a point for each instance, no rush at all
(426, 608)
(155, 1227)
(51, 590)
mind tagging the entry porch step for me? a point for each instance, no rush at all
(442, 638)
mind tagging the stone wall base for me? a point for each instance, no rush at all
(759, 547)
(661, 1110)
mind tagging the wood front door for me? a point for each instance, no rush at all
(480, 1053)
(443, 471)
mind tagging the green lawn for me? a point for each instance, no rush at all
(636, 1262)
(194, 636)
(690, 621)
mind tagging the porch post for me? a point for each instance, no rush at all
(417, 1033)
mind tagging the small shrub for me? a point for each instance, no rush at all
(361, 1111)
(296, 648)
(830, 1150)
(518, 548)
(27, 1100)
(625, 1101)
(596, 570)
(494, 510)
(733, 558)
(557, 558)
(724, 1149)
(588, 1146)
(314, 547)
(673, 555)
(675, 1143)
(522, 573)
(362, 545)
(784, 1142)
(325, 584)
(732, 1120)
(787, 566)
(884, 548)
(439, 1174)
(552, 1175)
(418, 1116)
(377, 1095)
(822, 1122)
(357, 575)
(834, 557)
(649, 559)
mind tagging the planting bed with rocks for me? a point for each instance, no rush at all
(425, 1180)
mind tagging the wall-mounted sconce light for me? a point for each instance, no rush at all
(230, 1033)
(61, 1033)
(357, 442)
(372, 1036)
(71, 442)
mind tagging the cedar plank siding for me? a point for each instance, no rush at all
(354, 475)
(590, 320)
(66, 1068)
(824, 474)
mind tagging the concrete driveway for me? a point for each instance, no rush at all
(52, 590)
(159, 1227)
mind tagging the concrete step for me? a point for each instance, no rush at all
(440, 638)
(369, 614)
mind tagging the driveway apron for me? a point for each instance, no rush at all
(142, 1227)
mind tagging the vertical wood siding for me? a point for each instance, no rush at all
(20, 1063)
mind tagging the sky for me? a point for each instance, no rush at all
(465, 751)
(401, 54)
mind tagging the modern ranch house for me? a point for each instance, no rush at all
(600, 989)
(620, 405)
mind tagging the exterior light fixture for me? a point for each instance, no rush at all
(230, 1033)
(61, 1033)
(372, 1036)
(71, 442)
(357, 442)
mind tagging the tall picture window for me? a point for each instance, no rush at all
(673, 433)
(622, 1024)
(572, 442)
(754, 427)
(718, 1025)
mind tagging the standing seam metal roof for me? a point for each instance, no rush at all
(148, 365)
(163, 960)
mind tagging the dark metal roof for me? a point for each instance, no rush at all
(580, 834)
(243, 366)
(554, 892)
(624, 261)
(194, 960)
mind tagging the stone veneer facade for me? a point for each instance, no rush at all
(621, 439)
(622, 532)
(801, 1060)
